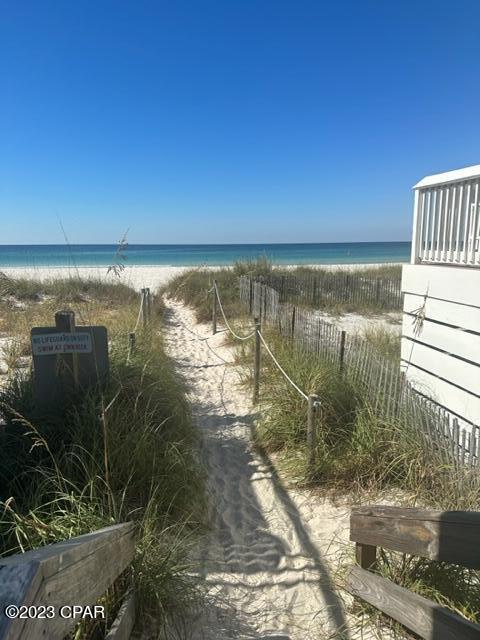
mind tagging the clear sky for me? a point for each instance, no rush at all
(230, 120)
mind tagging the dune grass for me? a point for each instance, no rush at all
(69, 289)
(393, 271)
(193, 287)
(127, 452)
(385, 341)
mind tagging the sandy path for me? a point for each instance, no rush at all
(266, 561)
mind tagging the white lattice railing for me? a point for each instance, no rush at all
(447, 219)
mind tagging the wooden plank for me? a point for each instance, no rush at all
(449, 536)
(19, 583)
(446, 311)
(60, 555)
(67, 573)
(461, 373)
(455, 341)
(122, 627)
(424, 617)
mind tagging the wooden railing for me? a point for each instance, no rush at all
(447, 536)
(72, 573)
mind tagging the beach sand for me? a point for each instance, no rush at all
(136, 276)
(270, 563)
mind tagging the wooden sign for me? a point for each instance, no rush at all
(67, 360)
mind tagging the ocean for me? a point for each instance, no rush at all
(91, 255)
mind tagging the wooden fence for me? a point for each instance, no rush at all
(57, 577)
(383, 383)
(450, 536)
(330, 289)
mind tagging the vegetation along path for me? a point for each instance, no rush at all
(266, 570)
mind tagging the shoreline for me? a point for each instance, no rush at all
(154, 276)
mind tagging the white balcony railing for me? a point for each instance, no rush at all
(447, 218)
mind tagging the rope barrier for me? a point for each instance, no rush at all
(139, 314)
(281, 369)
(250, 335)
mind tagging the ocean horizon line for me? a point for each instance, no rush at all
(50, 255)
(195, 244)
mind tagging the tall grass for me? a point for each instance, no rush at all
(193, 286)
(127, 452)
(386, 341)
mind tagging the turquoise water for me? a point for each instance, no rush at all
(214, 254)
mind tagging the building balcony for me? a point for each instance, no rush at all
(446, 227)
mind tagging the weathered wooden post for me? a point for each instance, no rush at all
(250, 306)
(283, 289)
(342, 350)
(67, 363)
(131, 344)
(366, 556)
(214, 308)
(144, 308)
(256, 363)
(313, 404)
(149, 304)
(294, 312)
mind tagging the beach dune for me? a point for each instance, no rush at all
(137, 276)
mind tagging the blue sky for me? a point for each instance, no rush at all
(229, 121)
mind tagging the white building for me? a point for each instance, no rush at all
(441, 319)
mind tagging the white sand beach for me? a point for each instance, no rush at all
(138, 276)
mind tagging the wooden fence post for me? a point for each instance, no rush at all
(144, 308)
(256, 363)
(131, 344)
(65, 322)
(342, 349)
(251, 295)
(377, 291)
(366, 555)
(214, 308)
(294, 311)
(313, 402)
(149, 305)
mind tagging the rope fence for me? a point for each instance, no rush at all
(145, 314)
(313, 401)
